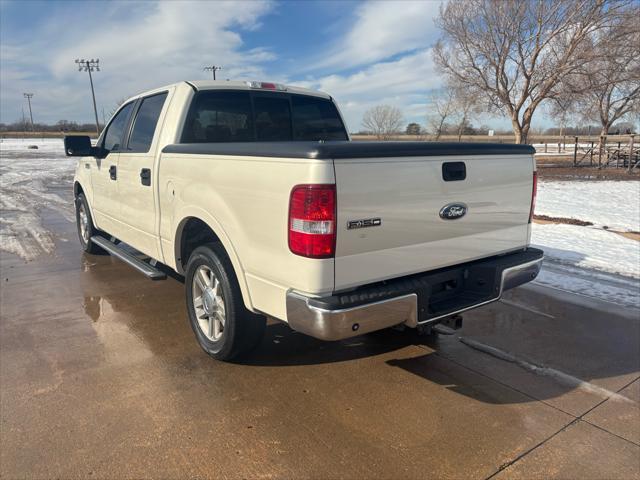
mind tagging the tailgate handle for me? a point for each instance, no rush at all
(454, 171)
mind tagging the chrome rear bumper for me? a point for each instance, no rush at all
(338, 324)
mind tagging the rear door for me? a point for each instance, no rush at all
(398, 216)
(137, 174)
(104, 173)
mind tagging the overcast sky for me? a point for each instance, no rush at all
(363, 54)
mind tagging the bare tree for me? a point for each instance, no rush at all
(518, 52)
(383, 121)
(563, 108)
(608, 88)
(455, 104)
(466, 104)
(441, 106)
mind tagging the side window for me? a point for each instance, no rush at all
(115, 130)
(219, 116)
(145, 123)
(316, 119)
(272, 117)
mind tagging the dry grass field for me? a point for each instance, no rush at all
(551, 140)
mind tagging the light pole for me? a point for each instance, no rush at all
(29, 96)
(213, 69)
(90, 66)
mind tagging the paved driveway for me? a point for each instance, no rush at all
(101, 377)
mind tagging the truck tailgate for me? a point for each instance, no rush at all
(389, 221)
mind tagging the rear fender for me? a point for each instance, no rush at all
(201, 214)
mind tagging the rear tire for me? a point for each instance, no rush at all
(223, 326)
(84, 224)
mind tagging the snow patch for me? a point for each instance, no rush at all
(29, 180)
(614, 204)
(589, 248)
(589, 261)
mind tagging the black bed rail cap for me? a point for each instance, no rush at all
(346, 149)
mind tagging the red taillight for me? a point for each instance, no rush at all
(312, 220)
(533, 195)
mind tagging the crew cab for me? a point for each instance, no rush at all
(256, 194)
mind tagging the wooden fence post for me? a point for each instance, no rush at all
(631, 153)
(575, 152)
(591, 155)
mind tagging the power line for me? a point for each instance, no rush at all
(29, 96)
(90, 66)
(213, 69)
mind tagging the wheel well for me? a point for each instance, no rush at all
(77, 189)
(194, 233)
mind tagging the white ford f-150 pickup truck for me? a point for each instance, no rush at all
(254, 192)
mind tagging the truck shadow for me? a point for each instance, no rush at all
(282, 346)
(570, 338)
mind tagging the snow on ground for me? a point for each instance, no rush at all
(614, 204)
(31, 180)
(589, 261)
(589, 248)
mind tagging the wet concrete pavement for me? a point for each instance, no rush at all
(101, 377)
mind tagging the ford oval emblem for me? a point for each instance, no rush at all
(453, 211)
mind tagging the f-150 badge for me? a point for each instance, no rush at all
(453, 211)
(367, 222)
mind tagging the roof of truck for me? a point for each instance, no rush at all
(244, 85)
(232, 85)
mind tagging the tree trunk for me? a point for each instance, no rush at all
(517, 130)
(602, 143)
(521, 132)
(522, 135)
(605, 130)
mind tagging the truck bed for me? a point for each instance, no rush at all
(390, 196)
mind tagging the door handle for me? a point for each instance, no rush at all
(112, 172)
(145, 177)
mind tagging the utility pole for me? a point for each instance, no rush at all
(90, 66)
(212, 69)
(29, 96)
(24, 124)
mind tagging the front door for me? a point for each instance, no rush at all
(104, 174)
(137, 179)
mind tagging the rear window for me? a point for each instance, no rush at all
(273, 117)
(316, 119)
(246, 116)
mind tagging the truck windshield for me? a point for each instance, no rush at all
(243, 116)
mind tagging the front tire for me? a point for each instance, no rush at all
(85, 226)
(223, 326)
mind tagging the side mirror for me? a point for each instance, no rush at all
(80, 146)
